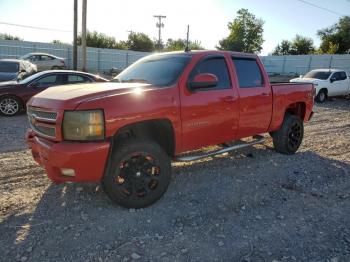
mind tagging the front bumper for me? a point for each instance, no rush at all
(88, 160)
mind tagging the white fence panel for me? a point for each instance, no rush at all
(98, 59)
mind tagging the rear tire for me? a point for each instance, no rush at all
(321, 96)
(288, 138)
(139, 173)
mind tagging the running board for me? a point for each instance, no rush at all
(257, 140)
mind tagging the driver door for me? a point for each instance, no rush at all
(209, 116)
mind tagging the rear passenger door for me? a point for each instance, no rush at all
(209, 116)
(255, 97)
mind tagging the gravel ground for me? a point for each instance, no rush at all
(250, 205)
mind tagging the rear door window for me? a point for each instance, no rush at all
(248, 72)
(76, 79)
(46, 58)
(342, 75)
(216, 66)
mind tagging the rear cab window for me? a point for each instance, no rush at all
(248, 72)
(215, 65)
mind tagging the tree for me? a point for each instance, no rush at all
(284, 48)
(336, 39)
(246, 34)
(180, 44)
(57, 42)
(100, 40)
(300, 45)
(9, 37)
(140, 42)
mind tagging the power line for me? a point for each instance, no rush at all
(36, 27)
(320, 7)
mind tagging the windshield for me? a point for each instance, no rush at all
(25, 57)
(323, 75)
(9, 67)
(158, 70)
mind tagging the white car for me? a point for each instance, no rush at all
(327, 82)
(45, 61)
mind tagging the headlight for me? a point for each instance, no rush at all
(83, 125)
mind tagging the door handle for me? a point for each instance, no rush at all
(228, 99)
(265, 94)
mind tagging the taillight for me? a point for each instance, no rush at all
(313, 91)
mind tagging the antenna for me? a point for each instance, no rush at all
(187, 48)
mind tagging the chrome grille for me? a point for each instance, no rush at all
(48, 131)
(42, 115)
(42, 122)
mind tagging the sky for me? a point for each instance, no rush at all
(208, 19)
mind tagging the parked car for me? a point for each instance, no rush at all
(14, 95)
(13, 69)
(124, 134)
(328, 83)
(45, 61)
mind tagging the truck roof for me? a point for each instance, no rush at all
(209, 52)
(329, 70)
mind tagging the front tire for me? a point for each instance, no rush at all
(10, 106)
(321, 96)
(288, 138)
(139, 173)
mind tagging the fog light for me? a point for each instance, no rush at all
(67, 172)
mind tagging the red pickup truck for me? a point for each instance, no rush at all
(125, 133)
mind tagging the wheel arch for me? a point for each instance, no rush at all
(298, 108)
(323, 89)
(160, 131)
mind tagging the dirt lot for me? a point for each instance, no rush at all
(250, 205)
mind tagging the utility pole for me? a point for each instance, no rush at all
(75, 34)
(160, 25)
(83, 35)
(187, 39)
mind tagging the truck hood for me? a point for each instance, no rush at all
(68, 97)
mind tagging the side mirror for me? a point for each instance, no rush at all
(203, 81)
(332, 79)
